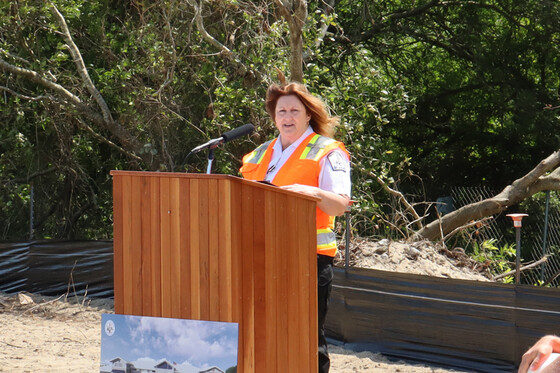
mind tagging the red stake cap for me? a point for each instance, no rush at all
(517, 219)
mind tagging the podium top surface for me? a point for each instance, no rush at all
(232, 178)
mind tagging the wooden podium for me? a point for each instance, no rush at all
(220, 248)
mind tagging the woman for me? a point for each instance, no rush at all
(305, 159)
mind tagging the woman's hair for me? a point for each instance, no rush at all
(321, 122)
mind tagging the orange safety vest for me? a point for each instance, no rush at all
(303, 167)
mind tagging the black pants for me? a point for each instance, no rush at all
(325, 276)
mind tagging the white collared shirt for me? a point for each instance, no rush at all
(335, 167)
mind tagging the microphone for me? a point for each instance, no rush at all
(228, 136)
(235, 133)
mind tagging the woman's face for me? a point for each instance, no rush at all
(291, 119)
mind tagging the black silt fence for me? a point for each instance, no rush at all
(477, 326)
(55, 267)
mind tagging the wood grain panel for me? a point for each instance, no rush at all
(259, 278)
(165, 239)
(293, 286)
(213, 251)
(308, 294)
(185, 247)
(194, 269)
(136, 244)
(175, 248)
(128, 247)
(271, 278)
(237, 267)
(281, 247)
(203, 252)
(155, 248)
(224, 259)
(118, 234)
(247, 338)
(145, 239)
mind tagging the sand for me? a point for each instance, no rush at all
(422, 258)
(46, 334)
(49, 334)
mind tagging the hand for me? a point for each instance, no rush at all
(331, 203)
(305, 189)
(536, 355)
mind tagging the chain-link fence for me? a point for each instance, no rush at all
(540, 232)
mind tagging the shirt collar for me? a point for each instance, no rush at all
(295, 144)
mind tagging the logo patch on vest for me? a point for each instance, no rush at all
(337, 161)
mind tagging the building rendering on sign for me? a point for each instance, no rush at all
(120, 365)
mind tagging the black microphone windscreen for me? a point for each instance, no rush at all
(238, 132)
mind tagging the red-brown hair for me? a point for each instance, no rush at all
(321, 122)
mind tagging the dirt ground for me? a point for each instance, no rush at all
(423, 258)
(48, 334)
(41, 334)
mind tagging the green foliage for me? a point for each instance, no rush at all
(496, 259)
(163, 83)
(480, 78)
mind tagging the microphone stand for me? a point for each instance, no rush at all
(210, 160)
(210, 145)
(228, 136)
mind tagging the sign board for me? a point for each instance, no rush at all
(158, 344)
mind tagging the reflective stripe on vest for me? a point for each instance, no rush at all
(326, 242)
(316, 147)
(257, 155)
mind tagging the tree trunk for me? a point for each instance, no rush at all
(295, 13)
(546, 176)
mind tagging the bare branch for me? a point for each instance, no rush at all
(104, 120)
(107, 141)
(64, 94)
(524, 268)
(22, 96)
(35, 77)
(401, 198)
(295, 13)
(283, 6)
(465, 226)
(328, 7)
(68, 96)
(81, 67)
(549, 182)
(192, 125)
(547, 164)
(17, 58)
(205, 35)
(551, 278)
(550, 107)
(171, 72)
(35, 175)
